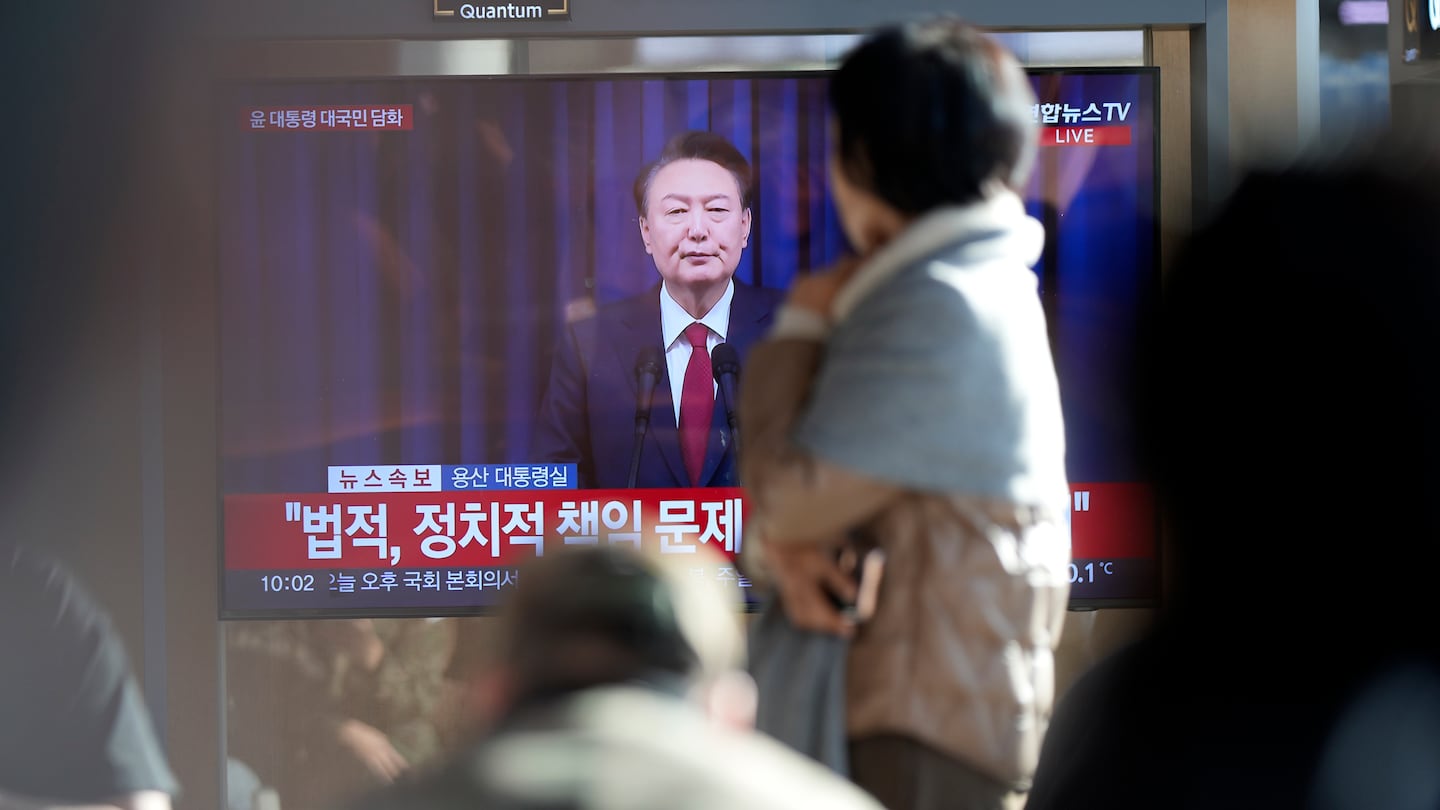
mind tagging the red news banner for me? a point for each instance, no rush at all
(450, 529)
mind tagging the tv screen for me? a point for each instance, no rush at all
(405, 263)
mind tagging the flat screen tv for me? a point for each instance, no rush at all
(400, 257)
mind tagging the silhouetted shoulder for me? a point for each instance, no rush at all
(76, 726)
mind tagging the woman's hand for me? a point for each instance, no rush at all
(810, 579)
(372, 748)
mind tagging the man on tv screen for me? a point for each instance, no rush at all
(634, 399)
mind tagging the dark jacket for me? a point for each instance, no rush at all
(587, 416)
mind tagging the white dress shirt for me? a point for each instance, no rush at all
(673, 321)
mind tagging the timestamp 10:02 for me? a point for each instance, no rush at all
(278, 583)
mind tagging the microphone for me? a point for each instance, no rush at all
(647, 374)
(725, 363)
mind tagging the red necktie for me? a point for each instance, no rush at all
(697, 402)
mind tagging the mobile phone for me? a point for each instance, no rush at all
(867, 592)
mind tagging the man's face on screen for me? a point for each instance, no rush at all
(695, 225)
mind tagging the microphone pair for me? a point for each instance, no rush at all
(724, 364)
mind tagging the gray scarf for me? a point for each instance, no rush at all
(937, 374)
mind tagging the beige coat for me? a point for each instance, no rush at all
(960, 654)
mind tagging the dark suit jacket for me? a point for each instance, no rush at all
(587, 416)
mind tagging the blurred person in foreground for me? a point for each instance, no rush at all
(908, 401)
(621, 685)
(1291, 418)
(74, 729)
(86, 189)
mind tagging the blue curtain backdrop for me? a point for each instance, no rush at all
(394, 297)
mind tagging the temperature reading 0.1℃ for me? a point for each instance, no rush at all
(1090, 571)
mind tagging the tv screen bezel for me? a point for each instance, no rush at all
(225, 88)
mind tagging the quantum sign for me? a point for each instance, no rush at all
(546, 11)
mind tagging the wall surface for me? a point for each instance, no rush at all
(1269, 108)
